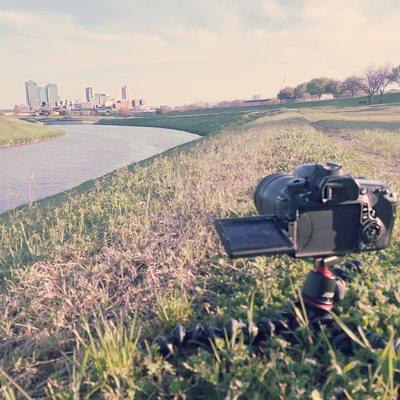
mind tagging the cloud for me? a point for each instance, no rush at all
(273, 9)
(21, 20)
(230, 50)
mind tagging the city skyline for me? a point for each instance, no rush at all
(36, 96)
(47, 99)
(180, 53)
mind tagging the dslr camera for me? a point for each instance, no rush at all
(318, 211)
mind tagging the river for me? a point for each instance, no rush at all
(34, 171)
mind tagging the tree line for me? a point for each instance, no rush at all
(371, 82)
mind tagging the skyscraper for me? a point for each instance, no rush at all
(52, 94)
(43, 96)
(99, 99)
(32, 94)
(89, 94)
(125, 93)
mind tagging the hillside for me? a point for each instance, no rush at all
(211, 120)
(15, 131)
(202, 123)
(86, 279)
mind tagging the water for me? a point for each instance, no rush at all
(34, 171)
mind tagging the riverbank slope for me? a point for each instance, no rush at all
(210, 120)
(14, 131)
(139, 250)
(201, 122)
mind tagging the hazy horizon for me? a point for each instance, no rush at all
(173, 53)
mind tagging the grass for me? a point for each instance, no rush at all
(201, 123)
(87, 279)
(14, 131)
(211, 120)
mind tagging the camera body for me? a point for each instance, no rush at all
(319, 210)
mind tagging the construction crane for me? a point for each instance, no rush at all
(283, 82)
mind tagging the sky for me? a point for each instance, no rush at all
(178, 52)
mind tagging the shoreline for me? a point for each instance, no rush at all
(38, 140)
(68, 122)
(19, 132)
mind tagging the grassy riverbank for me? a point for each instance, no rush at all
(201, 122)
(208, 121)
(137, 253)
(14, 131)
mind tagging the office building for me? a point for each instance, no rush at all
(139, 104)
(32, 95)
(124, 93)
(43, 96)
(89, 94)
(123, 105)
(52, 95)
(99, 99)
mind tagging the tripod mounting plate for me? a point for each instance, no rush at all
(322, 286)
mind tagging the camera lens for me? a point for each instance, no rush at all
(267, 194)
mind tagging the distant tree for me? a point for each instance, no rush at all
(273, 100)
(371, 82)
(350, 84)
(300, 91)
(286, 93)
(384, 73)
(335, 87)
(318, 86)
(163, 110)
(395, 75)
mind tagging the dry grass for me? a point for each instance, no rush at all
(144, 245)
(15, 131)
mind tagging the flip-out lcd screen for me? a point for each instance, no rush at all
(254, 236)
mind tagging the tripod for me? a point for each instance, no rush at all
(322, 288)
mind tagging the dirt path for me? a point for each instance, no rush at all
(365, 146)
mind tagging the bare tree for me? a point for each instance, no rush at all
(374, 80)
(286, 94)
(385, 78)
(350, 84)
(395, 75)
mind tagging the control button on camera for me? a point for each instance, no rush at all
(372, 232)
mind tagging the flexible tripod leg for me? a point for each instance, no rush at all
(321, 289)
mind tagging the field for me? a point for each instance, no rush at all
(208, 121)
(14, 131)
(202, 123)
(88, 282)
